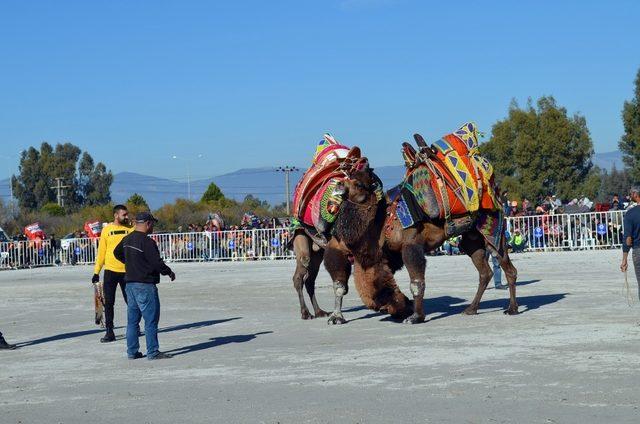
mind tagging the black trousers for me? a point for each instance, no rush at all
(111, 280)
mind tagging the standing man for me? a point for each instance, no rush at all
(631, 238)
(4, 344)
(111, 235)
(144, 265)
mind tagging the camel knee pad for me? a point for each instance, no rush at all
(417, 288)
(340, 288)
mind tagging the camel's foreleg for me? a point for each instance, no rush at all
(339, 267)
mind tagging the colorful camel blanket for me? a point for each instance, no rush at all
(491, 225)
(456, 176)
(316, 199)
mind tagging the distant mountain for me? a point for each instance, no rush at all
(607, 160)
(264, 183)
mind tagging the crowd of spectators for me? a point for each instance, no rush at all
(255, 238)
(551, 205)
(552, 224)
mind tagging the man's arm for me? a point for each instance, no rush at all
(627, 241)
(152, 254)
(102, 253)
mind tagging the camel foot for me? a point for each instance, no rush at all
(336, 319)
(512, 310)
(414, 319)
(470, 311)
(305, 314)
(321, 314)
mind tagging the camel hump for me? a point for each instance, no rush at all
(420, 141)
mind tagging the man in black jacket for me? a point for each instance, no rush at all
(143, 267)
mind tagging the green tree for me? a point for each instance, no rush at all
(212, 194)
(539, 151)
(137, 201)
(612, 182)
(88, 184)
(53, 209)
(252, 203)
(630, 141)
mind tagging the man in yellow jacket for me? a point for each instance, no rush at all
(114, 270)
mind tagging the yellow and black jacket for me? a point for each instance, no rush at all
(111, 236)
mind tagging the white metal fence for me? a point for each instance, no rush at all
(594, 230)
(241, 245)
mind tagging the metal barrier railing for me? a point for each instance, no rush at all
(581, 231)
(592, 230)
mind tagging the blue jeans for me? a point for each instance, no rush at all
(143, 303)
(497, 272)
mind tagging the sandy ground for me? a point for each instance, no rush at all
(244, 356)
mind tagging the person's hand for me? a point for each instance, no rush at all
(624, 265)
(172, 275)
(95, 278)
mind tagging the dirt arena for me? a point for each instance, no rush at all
(242, 354)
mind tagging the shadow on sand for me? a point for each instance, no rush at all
(216, 341)
(75, 334)
(527, 282)
(448, 305)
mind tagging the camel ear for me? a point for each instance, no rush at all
(354, 153)
(420, 141)
(362, 164)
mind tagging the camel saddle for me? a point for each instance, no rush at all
(448, 180)
(318, 195)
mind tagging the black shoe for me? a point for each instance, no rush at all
(501, 287)
(109, 337)
(6, 346)
(160, 355)
(138, 355)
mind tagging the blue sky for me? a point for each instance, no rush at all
(256, 83)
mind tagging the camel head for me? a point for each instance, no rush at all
(362, 185)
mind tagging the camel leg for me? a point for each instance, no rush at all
(512, 275)
(414, 259)
(302, 249)
(310, 282)
(474, 247)
(339, 267)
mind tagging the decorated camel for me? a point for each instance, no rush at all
(448, 190)
(316, 205)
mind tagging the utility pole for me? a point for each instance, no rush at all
(60, 191)
(287, 170)
(188, 161)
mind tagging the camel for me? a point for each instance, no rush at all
(381, 246)
(311, 251)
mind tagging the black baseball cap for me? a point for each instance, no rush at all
(145, 217)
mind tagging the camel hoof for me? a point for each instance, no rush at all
(512, 311)
(322, 314)
(470, 311)
(336, 320)
(306, 315)
(414, 319)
